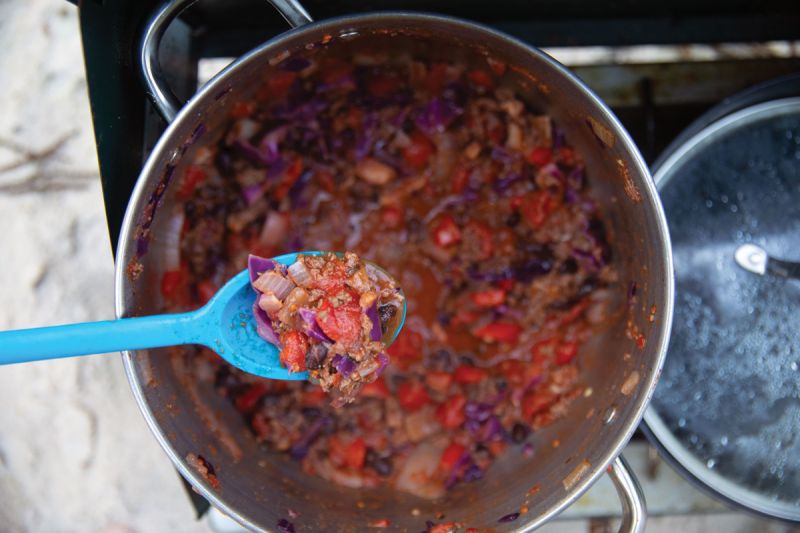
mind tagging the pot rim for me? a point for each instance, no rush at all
(657, 431)
(169, 140)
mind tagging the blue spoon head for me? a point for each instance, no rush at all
(230, 315)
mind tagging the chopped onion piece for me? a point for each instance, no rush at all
(275, 227)
(299, 273)
(269, 302)
(272, 282)
(375, 172)
(171, 240)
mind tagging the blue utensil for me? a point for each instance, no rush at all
(225, 324)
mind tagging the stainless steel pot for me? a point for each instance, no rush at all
(256, 488)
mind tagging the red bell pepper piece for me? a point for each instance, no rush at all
(293, 354)
(446, 232)
(412, 396)
(499, 332)
(489, 297)
(469, 374)
(450, 413)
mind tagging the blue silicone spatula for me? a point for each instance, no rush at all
(225, 324)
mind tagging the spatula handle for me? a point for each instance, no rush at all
(23, 345)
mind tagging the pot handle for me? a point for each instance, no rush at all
(155, 82)
(634, 509)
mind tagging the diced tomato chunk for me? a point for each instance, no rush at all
(336, 72)
(544, 349)
(469, 374)
(438, 381)
(259, 423)
(277, 85)
(499, 332)
(575, 313)
(382, 86)
(506, 284)
(463, 316)
(337, 450)
(290, 177)
(193, 177)
(293, 354)
(418, 151)
(326, 181)
(407, 347)
(540, 156)
(314, 398)
(248, 399)
(566, 155)
(481, 78)
(512, 370)
(242, 109)
(451, 455)
(537, 206)
(375, 389)
(340, 322)
(497, 135)
(460, 179)
(331, 279)
(171, 282)
(446, 232)
(566, 352)
(435, 80)
(496, 446)
(536, 402)
(498, 67)
(450, 413)
(412, 396)
(489, 297)
(355, 453)
(392, 216)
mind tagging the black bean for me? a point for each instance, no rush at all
(208, 466)
(467, 360)
(441, 360)
(598, 230)
(587, 286)
(224, 161)
(315, 356)
(311, 412)
(386, 313)
(519, 433)
(570, 266)
(226, 379)
(381, 465)
(513, 219)
(284, 526)
(414, 226)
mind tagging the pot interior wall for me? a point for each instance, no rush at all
(261, 486)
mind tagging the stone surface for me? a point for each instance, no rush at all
(75, 453)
